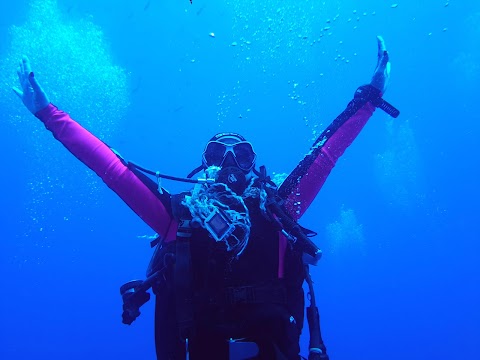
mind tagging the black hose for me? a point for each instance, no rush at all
(317, 349)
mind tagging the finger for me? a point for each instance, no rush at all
(20, 78)
(387, 70)
(384, 59)
(24, 77)
(26, 66)
(18, 92)
(381, 46)
(20, 65)
(381, 51)
(33, 81)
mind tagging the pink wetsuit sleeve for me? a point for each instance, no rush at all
(310, 184)
(100, 158)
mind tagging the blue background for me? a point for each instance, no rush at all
(398, 218)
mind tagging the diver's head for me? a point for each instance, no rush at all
(235, 158)
(229, 149)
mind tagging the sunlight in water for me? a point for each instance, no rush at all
(466, 62)
(346, 234)
(73, 63)
(398, 166)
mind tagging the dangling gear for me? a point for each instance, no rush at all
(134, 295)
(316, 347)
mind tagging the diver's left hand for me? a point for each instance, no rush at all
(381, 76)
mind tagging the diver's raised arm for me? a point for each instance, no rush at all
(94, 153)
(305, 181)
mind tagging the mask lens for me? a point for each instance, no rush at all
(244, 155)
(214, 153)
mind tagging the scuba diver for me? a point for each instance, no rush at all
(230, 257)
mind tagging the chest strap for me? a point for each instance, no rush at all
(183, 280)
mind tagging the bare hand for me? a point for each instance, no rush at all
(381, 76)
(31, 93)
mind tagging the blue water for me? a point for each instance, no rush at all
(398, 218)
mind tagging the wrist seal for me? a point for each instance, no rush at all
(369, 93)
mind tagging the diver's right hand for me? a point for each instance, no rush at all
(31, 93)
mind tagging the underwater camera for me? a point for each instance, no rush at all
(218, 225)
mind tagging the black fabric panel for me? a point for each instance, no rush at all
(362, 96)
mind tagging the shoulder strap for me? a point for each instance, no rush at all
(179, 212)
(183, 287)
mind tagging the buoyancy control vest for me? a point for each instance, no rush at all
(208, 275)
(214, 268)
